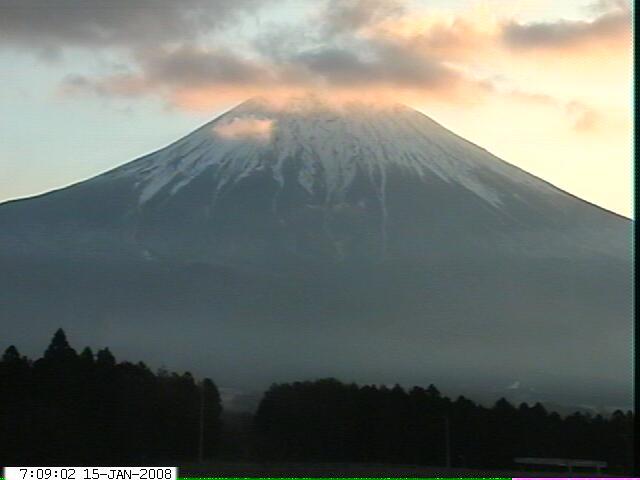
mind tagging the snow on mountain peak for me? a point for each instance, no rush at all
(329, 143)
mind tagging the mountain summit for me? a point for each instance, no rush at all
(314, 238)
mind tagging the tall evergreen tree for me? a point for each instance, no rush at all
(11, 355)
(59, 348)
(105, 358)
(87, 356)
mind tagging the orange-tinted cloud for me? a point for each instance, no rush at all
(370, 48)
(349, 55)
(246, 128)
(610, 28)
(585, 119)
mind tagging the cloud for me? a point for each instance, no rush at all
(378, 49)
(604, 6)
(585, 119)
(534, 97)
(168, 53)
(197, 67)
(387, 64)
(56, 24)
(162, 71)
(340, 16)
(188, 72)
(248, 128)
(120, 85)
(610, 26)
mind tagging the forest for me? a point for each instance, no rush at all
(89, 409)
(327, 420)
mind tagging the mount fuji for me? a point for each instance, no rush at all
(304, 239)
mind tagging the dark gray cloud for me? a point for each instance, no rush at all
(335, 64)
(333, 47)
(384, 63)
(184, 67)
(197, 67)
(125, 85)
(55, 24)
(341, 57)
(349, 15)
(163, 40)
(315, 55)
(567, 33)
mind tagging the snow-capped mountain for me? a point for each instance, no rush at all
(307, 238)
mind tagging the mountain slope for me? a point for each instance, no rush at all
(316, 239)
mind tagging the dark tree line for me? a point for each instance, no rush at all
(69, 408)
(327, 420)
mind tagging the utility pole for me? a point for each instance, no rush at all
(447, 436)
(201, 429)
(628, 458)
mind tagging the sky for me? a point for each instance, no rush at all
(91, 84)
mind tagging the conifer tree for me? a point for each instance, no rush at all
(59, 348)
(105, 358)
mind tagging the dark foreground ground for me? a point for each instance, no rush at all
(357, 470)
